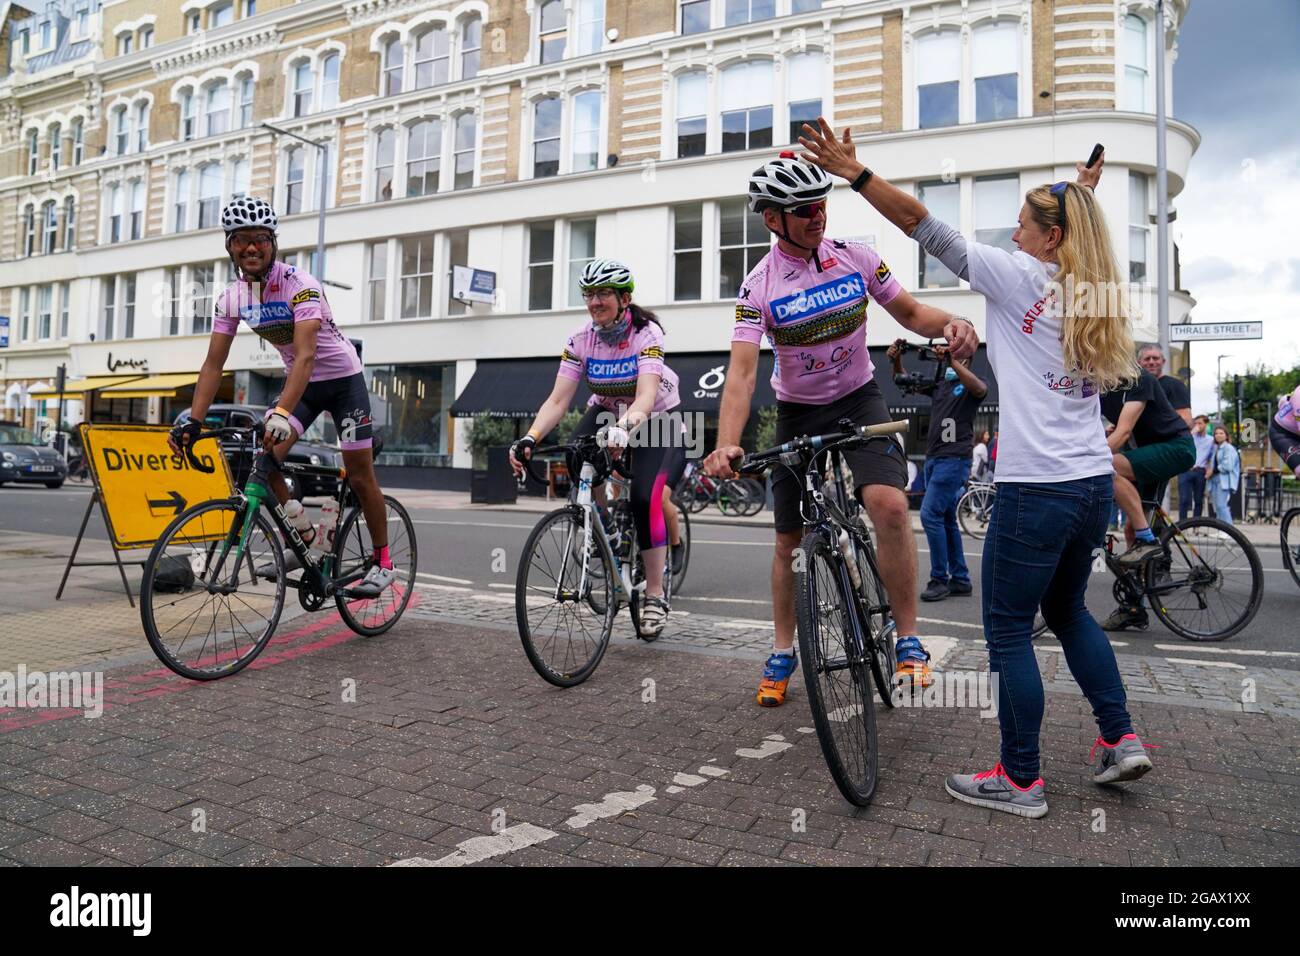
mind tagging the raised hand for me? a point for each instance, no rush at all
(839, 157)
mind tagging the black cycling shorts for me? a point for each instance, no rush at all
(877, 463)
(1285, 443)
(346, 399)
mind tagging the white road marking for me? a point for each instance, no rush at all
(939, 620)
(1224, 650)
(726, 600)
(745, 624)
(620, 801)
(772, 744)
(1228, 664)
(443, 587)
(473, 524)
(688, 780)
(713, 771)
(840, 714)
(442, 577)
(939, 647)
(673, 789)
(804, 730)
(485, 847)
(510, 587)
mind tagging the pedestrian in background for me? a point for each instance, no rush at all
(979, 456)
(1191, 483)
(1224, 474)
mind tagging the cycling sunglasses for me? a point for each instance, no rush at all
(808, 210)
(1059, 192)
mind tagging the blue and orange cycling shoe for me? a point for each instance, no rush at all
(776, 677)
(913, 662)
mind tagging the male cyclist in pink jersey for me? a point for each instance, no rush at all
(287, 308)
(1284, 430)
(809, 296)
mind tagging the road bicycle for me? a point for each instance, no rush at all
(215, 581)
(579, 569)
(617, 488)
(738, 497)
(1291, 543)
(843, 620)
(975, 508)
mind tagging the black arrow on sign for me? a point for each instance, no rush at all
(174, 503)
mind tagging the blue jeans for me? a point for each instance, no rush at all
(945, 480)
(1220, 494)
(1039, 553)
(1191, 492)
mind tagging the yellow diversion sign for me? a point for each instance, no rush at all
(143, 484)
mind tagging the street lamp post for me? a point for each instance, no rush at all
(1218, 385)
(323, 146)
(1162, 188)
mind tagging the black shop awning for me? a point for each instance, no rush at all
(509, 388)
(702, 375)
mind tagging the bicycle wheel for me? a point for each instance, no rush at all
(881, 630)
(758, 496)
(206, 612)
(565, 600)
(696, 497)
(684, 523)
(637, 597)
(1291, 543)
(835, 670)
(974, 509)
(354, 553)
(735, 498)
(1211, 584)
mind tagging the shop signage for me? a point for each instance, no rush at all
(473, 285)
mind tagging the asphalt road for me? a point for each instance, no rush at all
(729, 573)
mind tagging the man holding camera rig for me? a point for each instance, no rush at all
(955, 396)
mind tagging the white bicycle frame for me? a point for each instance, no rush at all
(623, 579)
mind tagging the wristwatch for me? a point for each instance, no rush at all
(863, 178)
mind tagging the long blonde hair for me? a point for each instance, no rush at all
(1096, 336)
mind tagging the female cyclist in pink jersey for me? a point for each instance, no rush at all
(620, 355)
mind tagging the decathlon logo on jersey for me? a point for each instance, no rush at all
(74, 909)
(599, 369)
(819, 299)
(266, 312)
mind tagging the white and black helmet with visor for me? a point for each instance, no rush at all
(786, 183)
(606, 274)
(248, 212)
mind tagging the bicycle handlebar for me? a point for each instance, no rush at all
(587, 449)
(759, 461)
(214, 433)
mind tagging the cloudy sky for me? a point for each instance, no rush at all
(1237, 80)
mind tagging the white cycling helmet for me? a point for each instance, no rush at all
(786, 182)
(606, 274)
(245, 211)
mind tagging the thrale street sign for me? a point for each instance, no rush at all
(1211, 331)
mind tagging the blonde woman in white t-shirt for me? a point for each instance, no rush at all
(1058, 335)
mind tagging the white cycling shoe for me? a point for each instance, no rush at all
(375, 581)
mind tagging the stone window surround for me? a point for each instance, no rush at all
(198, 85)
(400, 121)
(566, 88)
(448, 20)
(313, 58)
(235, 151)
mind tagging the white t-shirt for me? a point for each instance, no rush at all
(1050, 422)
(979, 460)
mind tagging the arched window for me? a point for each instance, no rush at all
(547, 114)
(49, 226)
(385, 147)
(302, 84)
(33, 151)
(293, 180)
(471, 43)
(29, 230)
(392, 79)
(551, 32)
(938, 77)
(78, 141)
(245, 114)
(216, 109)
(188, 118)
(56, 147)
(996, 66)
(432, 58)
(142, 126)
(137, 209)
(121, 132)
(747, 105)
(466, 136)
(585, 150)
(115, 213)
(146, 37)
(69, 223)
(423, 157)
(1135, 63)
(692, 113)
(329, 82)
(180, 200)
(209, 195)
(803, 86)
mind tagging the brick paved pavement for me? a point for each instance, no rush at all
(456, 752)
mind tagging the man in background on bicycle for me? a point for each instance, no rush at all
(809, 296)
(1284, 430)
(954, 400)
(288, 309)
(1161, 449)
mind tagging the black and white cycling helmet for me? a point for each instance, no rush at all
(248, 211)
(786, 182)
(606, 274)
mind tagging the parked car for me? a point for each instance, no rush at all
(24, 458)
(314, 448)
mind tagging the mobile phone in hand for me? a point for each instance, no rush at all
(1096, 155)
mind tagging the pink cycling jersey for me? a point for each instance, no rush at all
(288, 295)
(1288, 412)
(816, 321)
(611, 371)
